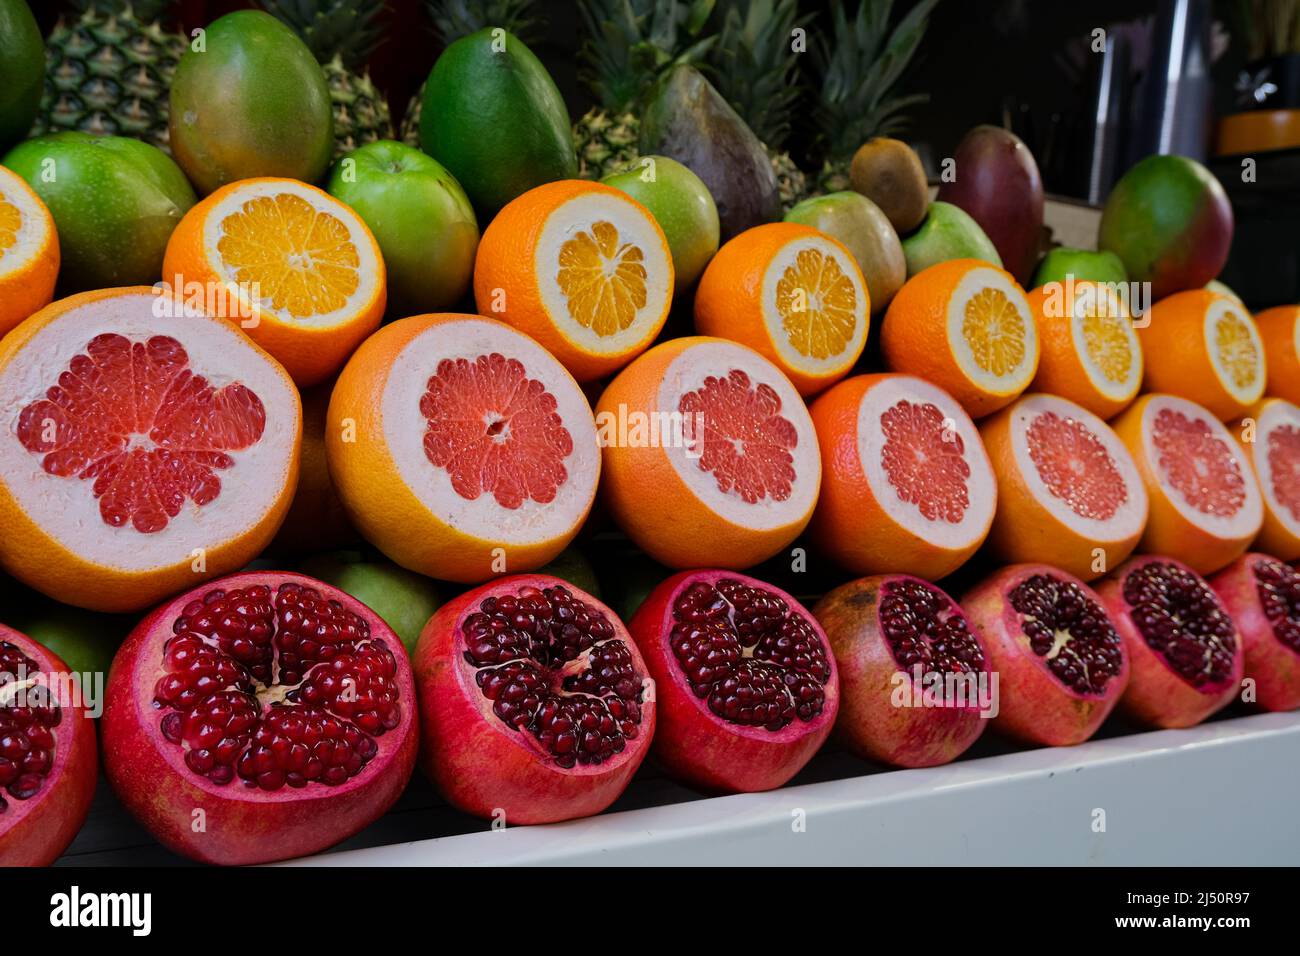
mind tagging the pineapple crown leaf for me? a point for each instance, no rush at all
(859, 72)
(630, 42)
(754, 64)
(454, 19)
(347, 29)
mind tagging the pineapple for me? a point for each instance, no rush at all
(860, 62)
(629, 43)
(754, 67)
(109, 71)
(341, 35)
(454, 19)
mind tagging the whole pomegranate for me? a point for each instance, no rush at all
(746, 683)
(260, 716)
(1060, 662)
(534, 702)
(1263, 596)
(47, 754)
(887, 631)
(1185, 658)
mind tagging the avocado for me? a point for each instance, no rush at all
(686, 119)
(493, 116)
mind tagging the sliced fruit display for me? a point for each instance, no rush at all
(1185, 655)
(581, 267)
(280, 707)
(966, 326)
(1205, 347)
(535, 705)
(1263, 596)
(709, 453)
(912, 670)
(906, 484)
(295, 268)
(1069, 492)
(857, 222)
(744, 678)
(1091, 354)
(148, 446)
(29, 251)
(1279, 329)
(1060, 662)
(794, 295)
(1205, 504)
(461, 448)
(47, 753)
(1274, 454)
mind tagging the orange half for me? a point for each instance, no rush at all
(29, 251)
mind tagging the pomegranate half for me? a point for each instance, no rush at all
(261, 716)
(534, 702)
(911, 670)
(1185, 657)
(1061, 664)
(47, 754)
(1263, 596)
(746, 682)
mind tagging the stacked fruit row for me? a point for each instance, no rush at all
(165, 435)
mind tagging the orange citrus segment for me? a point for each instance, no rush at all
(29, 251)
(995, 332)
(1108, 345)
(10, 221)
(603, 279)
(1237, 352)
(818, 305)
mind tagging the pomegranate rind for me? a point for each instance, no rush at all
(860, 520)
(1205, 543)
(241, 825)
(1033, 525)
(36, 831)
(1157, 695)
(1280, 533)
(870, 723)
(1033, 705)
(695, 745)
(30, 548)
(476, 761)
(1271, 665)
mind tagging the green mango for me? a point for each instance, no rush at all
(22, 71)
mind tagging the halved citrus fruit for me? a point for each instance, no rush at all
(461, 448)
(148, 446)
(1279, 330)
(710, 456)
(1272, 446)
(794, 295)
(1069, 493)
(1204, 346)
(906, 485)
(966, 326)
(291, 265)
(1205, 502)
(1090, 353)
(29, 251)
(581, 267)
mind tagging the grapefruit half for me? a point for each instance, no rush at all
(461, 448)
(1069, 492)
(906, 485)
(1205, 503)
(710, 455)
(148, 447)
(1274, 453)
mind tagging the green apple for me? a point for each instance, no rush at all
(1083, 264)
(572, 565)
(404, 599)
(683, 207)
(115, 202)
(86, 640)
(421, 218)
(947, 232)
(860, 224)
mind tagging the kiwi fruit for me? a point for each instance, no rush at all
(890, 174)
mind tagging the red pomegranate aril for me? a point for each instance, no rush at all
(746, 685)
(264, 685)
(1262, 595)
(532, 701)
(1185, 657)
(1060, 661)
(882, 629)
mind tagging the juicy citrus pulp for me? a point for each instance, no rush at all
(1237, 350)
(603, 279)
(815, 305)
(991, 331)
